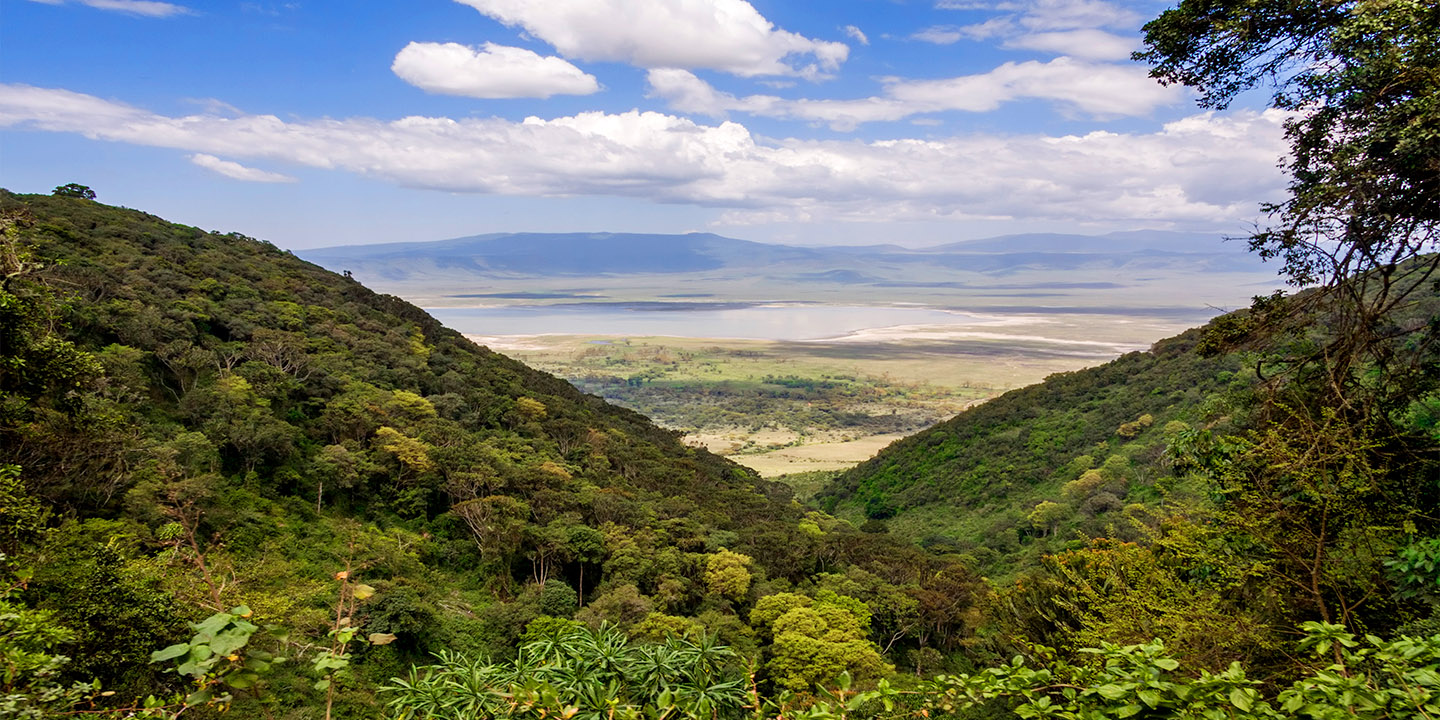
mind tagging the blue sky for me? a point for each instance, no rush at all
(835, 121)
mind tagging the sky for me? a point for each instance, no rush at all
(812, 122)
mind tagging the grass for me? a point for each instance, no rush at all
(784, 408)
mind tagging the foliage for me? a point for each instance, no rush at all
(74, 190)
(22, 517)
(817, 640)
(1361, 80)
(1416, 570)
(975, 481)
(1206, 607)
(218, 658)
(1369, 679)
(583, 674)
(33, 684)
(116, 614)
(726, 574)
(219, 424)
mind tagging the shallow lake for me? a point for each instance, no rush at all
(682, 319)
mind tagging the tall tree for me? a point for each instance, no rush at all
(1362, 81)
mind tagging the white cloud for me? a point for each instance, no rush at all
(237, 171)
(726, 35)
(1204, 169)
(148, 8)
(1044, 15)
(856, 33)
(1090, 44)
(977, 5)
(1096, 89)
(950, 34)
(1063, 27)
(939, 35)
(494, 71)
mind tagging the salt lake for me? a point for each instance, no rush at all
(783, 321)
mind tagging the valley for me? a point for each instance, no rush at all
(270, 450)
(797, 406)
(792, 359)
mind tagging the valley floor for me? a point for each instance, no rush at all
(785, 407)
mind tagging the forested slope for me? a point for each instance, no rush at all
(1078, 455)
(193, 421)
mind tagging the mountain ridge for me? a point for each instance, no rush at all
(513, 262)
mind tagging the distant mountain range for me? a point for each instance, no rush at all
(508, 255)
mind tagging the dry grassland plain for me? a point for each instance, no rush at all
(786, 407)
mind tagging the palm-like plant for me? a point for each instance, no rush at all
(578, 675)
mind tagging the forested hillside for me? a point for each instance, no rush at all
(234, 483)
(197, 421)
(1083, 454)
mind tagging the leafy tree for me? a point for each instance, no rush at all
(75, 190)
(1046, 515)
(817, 640)
(22, 517)
(727, 574)
(40, 369)
(1361, 79)
(557, 599)
(621, 606)
(32, 685)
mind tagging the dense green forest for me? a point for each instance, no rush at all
(199, 421)
(232, 483)
(1083, 454)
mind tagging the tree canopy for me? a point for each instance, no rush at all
(1361, 81)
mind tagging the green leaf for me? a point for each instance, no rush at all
(1169, 664)
(1240, 698)
(213, 624)
(322, 684)
(170, 653)
(1111, 692)
(242, 681)
(228, 642)
(363, 591)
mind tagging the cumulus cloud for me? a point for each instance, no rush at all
(1096, 89)
(494, 71)
(147, 8)
(727, 35)
(236, 171)
(1207, 168)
